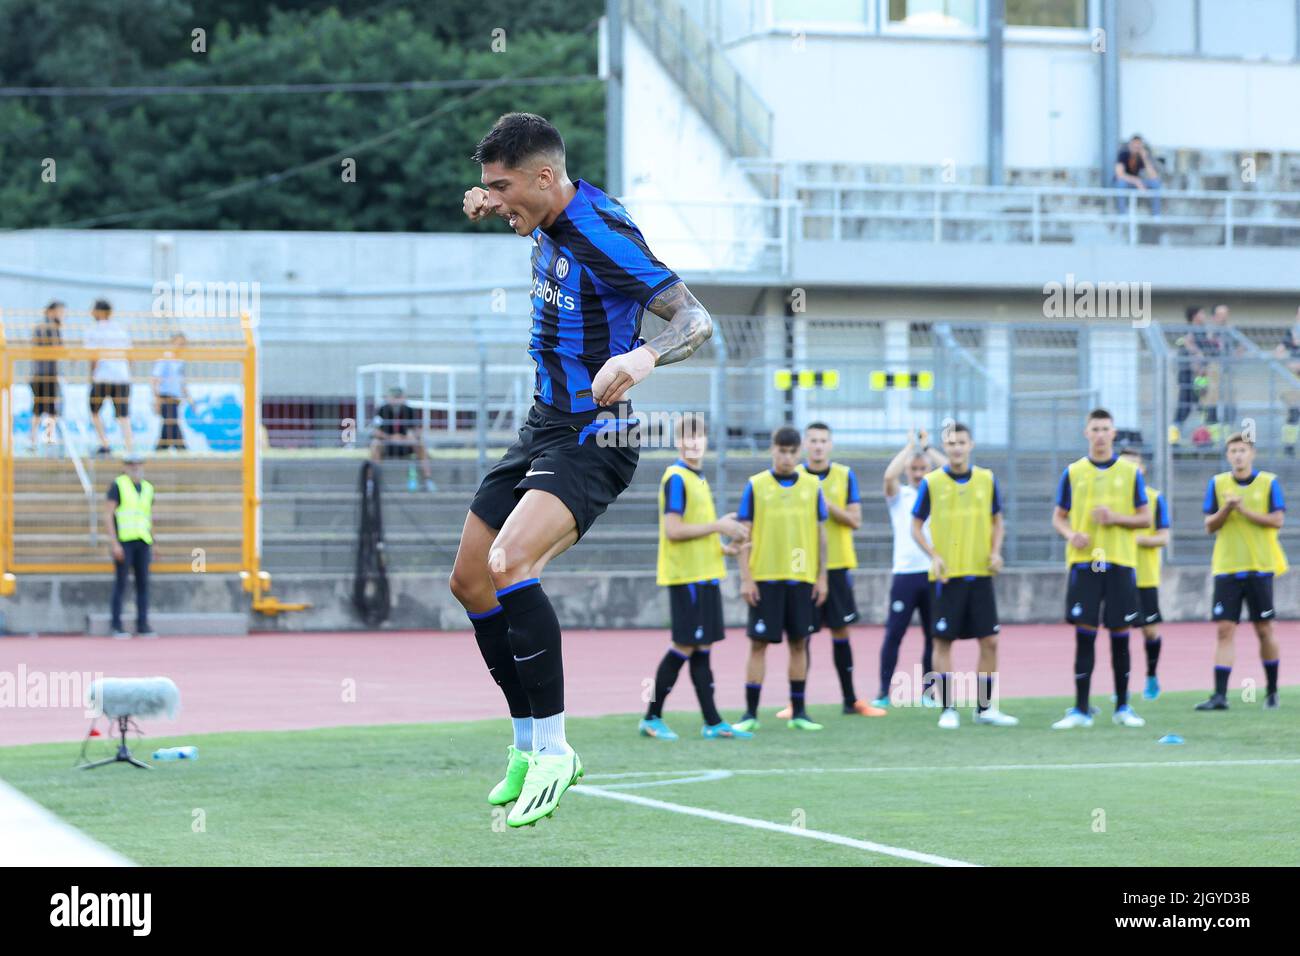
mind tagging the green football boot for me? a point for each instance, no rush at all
(803, 723)
(547, 780)
(516, 769)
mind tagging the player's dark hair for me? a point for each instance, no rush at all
(691, 425)
(517, 138)
(822, 425)
(956, 427)
(54, 304)
(1190, 312)
(786, 437)
(1237, 437)
(102, 305)
(1097, 413)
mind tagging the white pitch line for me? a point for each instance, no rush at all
(30, 835)
(772, 827)
(701, 775)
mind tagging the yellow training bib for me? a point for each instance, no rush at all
(1148, 566)
(699, 559)
(961, 521)
(1241, 545)
(839, 537)
(784, 537)
(1093, 487)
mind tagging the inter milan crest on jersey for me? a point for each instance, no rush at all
(561, 267)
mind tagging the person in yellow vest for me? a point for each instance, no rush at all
(782, 571)
(1150, 541)
(128, 522)
(844, 510)
(1244, 511)
(964, 546)
(1101, 506)
(692, 567)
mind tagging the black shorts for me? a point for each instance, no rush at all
(1230, 591)
(697, 613)
(573, 456)
(393, 449)
(45, 392)
(964, 608)
(840, 609)
(1149, 601)
(119, 392)
(1097, 597)
(782, 607)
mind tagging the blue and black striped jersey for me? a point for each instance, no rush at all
(593, 276)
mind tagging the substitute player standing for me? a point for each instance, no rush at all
(691, 567)
(909, 587)
(782, 571)
(844, 508)
(965, 551)
(1244, 511)
(1101, 505)
(1150, 541)
(594, 279)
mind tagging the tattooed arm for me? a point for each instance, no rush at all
(689, 327)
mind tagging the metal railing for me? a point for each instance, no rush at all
(701, 68)
(1036, 215)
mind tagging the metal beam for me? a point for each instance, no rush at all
(996, 25)
(614, 98)
(1109, 90)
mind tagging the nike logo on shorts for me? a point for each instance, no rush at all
(1131, 617)
(530, 656)
(1268, 613)
(531, 473)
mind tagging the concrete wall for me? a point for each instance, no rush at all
(586, 600)
(671, 154)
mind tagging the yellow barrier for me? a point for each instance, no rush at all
(53, 484)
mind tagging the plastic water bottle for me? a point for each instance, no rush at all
(177, 753)
(412, 478)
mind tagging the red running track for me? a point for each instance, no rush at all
(296, 681)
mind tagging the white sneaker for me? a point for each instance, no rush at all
(1073, 718)
(995, 718)
(949, 720)
(1126, 718)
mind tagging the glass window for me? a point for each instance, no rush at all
(938, 15)
(1071, 14)
(844, 12)
(1269, 30)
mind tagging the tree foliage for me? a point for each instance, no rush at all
(151, 161)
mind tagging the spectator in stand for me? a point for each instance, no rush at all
(397, 434)
(1221, 321)
(45, 376)
(169, 390)
(1289, 351)
(1135, 169)
(1190, 367)
(110, 376)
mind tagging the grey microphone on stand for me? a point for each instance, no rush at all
(125, 698)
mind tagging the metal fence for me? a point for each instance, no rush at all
(1024, 389)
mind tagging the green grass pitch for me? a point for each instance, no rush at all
(416, 794)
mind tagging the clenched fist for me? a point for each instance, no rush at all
(475, 204)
